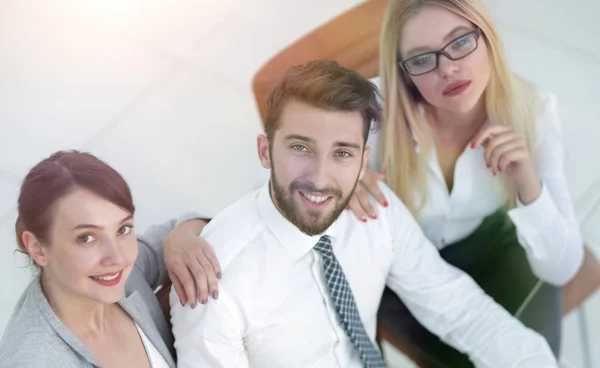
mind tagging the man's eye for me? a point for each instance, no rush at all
(299, 148)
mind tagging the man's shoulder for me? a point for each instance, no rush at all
(392, 198)
(234, 228)
(396, 214)
(386, 190)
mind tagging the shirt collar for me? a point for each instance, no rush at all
(294, 241)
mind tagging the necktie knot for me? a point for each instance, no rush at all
(324, 247)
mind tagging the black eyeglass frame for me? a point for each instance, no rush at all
(477, 32)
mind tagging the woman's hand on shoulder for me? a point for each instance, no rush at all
(192, 265)
(360, 203)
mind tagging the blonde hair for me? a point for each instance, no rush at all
(509, 100)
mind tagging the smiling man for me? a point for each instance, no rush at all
(302, 278)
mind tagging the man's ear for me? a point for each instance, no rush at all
(262, 144)
(365, 159)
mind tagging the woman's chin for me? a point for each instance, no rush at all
(108, 297)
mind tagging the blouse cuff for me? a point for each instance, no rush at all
(535, 217)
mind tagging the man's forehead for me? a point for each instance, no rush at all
(319, 124)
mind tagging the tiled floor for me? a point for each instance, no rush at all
(161, 90)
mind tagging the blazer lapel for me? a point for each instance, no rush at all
(61, 330)
(135, 306)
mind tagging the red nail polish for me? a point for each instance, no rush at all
(499, 170)
(364, 219)
(473, 145)
(374, 215)
(494, 171)
(487, 165)
(347, 207)
(385, 204)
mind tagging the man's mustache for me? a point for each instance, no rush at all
(308, 187)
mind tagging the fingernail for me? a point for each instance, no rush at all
(364, 219)
(182, 304)
(193, 305)
(374, 215)
(499, 169)
(347, 207)
(219, 275)
(487, 165)
(494, 171)
(215, 295)
(385, 204)
(205, 301)
(473, 145)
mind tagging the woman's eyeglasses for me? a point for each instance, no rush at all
(456, 49)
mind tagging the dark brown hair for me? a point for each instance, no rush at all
(55, 177)
(328, 85)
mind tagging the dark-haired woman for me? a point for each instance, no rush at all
(91, 304)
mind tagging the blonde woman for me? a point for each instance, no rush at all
(475, 153)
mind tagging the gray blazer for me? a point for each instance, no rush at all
(36, 338)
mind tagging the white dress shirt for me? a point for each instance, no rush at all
(154, 356)
(547, 228)
(274, 307)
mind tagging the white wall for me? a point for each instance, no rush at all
(161, 90)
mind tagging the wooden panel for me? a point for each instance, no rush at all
(352, 39)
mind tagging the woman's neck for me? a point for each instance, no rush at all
(84, 317)
(450, 125)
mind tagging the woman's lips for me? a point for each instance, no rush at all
(108, 279)
(456, 88)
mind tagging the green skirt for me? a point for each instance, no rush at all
(493, 257)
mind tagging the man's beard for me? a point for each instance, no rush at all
(309, 221)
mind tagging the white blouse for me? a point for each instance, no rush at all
(154, 356)
(547, 228)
